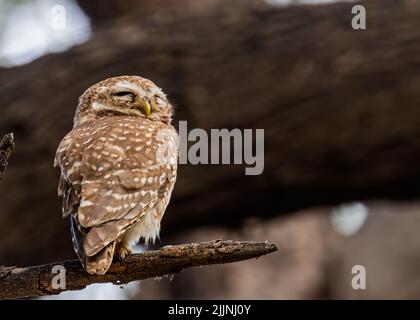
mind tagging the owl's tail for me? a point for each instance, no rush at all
(100, 262)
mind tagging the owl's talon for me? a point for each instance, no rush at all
(124, 253)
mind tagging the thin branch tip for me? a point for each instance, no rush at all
(7, 145)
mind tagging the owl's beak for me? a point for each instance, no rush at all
(146, 108)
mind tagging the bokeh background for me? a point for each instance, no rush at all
(340, 109)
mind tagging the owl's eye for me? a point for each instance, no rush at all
(124, 95)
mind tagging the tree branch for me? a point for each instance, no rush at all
(36, 280)
(6, 148)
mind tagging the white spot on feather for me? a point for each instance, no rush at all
(86, 203)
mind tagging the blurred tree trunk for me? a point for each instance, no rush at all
(165, 9)
(340, 109)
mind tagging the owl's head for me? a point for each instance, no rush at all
(125, 95)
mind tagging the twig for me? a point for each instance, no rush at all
(6, 148)
(37, 280)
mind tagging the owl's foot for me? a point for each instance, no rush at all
(124, 251)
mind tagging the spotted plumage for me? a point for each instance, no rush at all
(118, 168)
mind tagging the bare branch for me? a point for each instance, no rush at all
(36, 280)
(6, 148)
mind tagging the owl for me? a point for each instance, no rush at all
(118, 169)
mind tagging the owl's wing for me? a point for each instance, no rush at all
(108, 214)
(69, 188)
(64, 188)
(111, 213)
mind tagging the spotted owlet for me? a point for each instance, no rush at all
(118, 168)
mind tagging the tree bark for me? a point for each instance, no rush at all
(161, 9)
(339, 108)
(37, 280)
